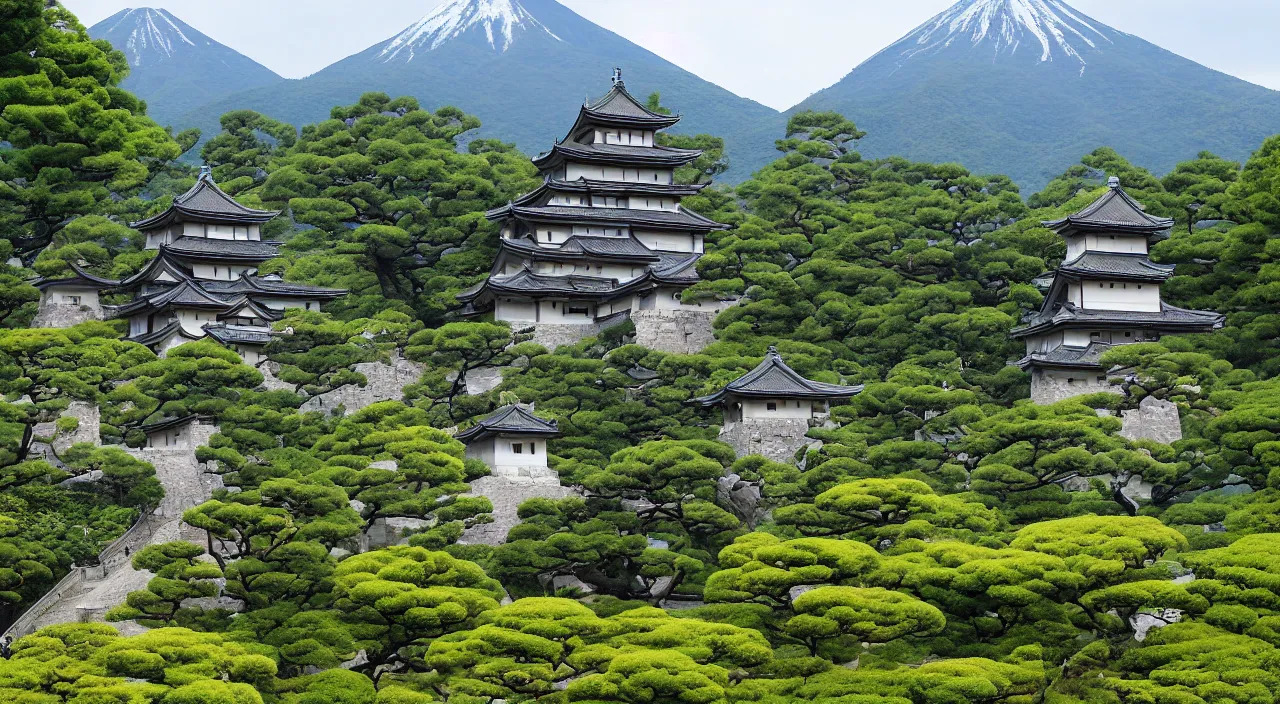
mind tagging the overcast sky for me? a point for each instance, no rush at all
(774, 51)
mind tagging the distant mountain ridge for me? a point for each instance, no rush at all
(1025, 87)
(175, 67)
(523, 67)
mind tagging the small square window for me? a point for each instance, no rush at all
(517, 448)
(772, 406)
(73, 300)
(1128, 334)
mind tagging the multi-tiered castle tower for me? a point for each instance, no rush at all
(1106, 293)
(203, 281)
(605, 237)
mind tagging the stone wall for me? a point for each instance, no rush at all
(1046, 390)
(506, 492)
(62, 315)
(1153, 419)
(674, 331)
(386, 382)
(778, 440)
(553, 335)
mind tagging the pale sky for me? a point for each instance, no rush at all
(774, 51)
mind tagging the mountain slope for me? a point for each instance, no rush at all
(523, 67)
(1025, 87)
(175, 67)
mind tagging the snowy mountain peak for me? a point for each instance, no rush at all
(500, 20)
(1047, 29)
(146, 32)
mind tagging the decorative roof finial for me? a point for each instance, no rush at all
(1114, 183)
(206, 173)
(773, 351)
(617, 76)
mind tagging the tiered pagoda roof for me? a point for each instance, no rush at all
(509, 420)
(774, 379)
(553, 186)
(615, 155)
(618, 108)
(1114, 213)
(680, 219)
(1067, 357)
(205, 202)
(1169, 318)
(1132, 267)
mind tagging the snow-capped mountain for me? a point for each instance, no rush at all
(174, 66)
(152, 35)
(1027, 87)
(500, 22)
(1044, 30)
(523, 67)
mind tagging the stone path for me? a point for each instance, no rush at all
(87, 593)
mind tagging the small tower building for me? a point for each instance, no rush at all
(511, 440)
(1106, 293)
(769, 410)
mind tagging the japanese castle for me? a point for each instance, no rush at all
(1106, 293)
(605, 234)
(203, 281)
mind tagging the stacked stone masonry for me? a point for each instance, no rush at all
(506, 492)
(61, 315)
(674, 331)
(778, 440)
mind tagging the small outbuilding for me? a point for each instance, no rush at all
(773, 391)
(510, 439)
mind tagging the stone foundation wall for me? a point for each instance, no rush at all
(1047, 390)
(1153, 419)
(553, 335)
(674, 331)
(61, 315)
(506, 492)
(386, 382)
(778, 440)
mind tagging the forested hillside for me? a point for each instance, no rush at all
(941, 540)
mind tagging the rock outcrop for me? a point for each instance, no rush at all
(506, 491)
(385, 382)
(1153, 419)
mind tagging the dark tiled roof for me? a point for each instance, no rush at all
(677, 268)
(204, 247)
(509, 420)
(625, 247)
(1170, 318)
(272, 285)
(230, 334)
(774, 379)
(679, 219)
(187, 294)
(551, 186)
(257, 309)
(616, 154)
(579, 247)
(205, 202)
(1068, 357)
(153, 338)
(168, 423)
(1125, 266)
(618, 108)
(1115, 211)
